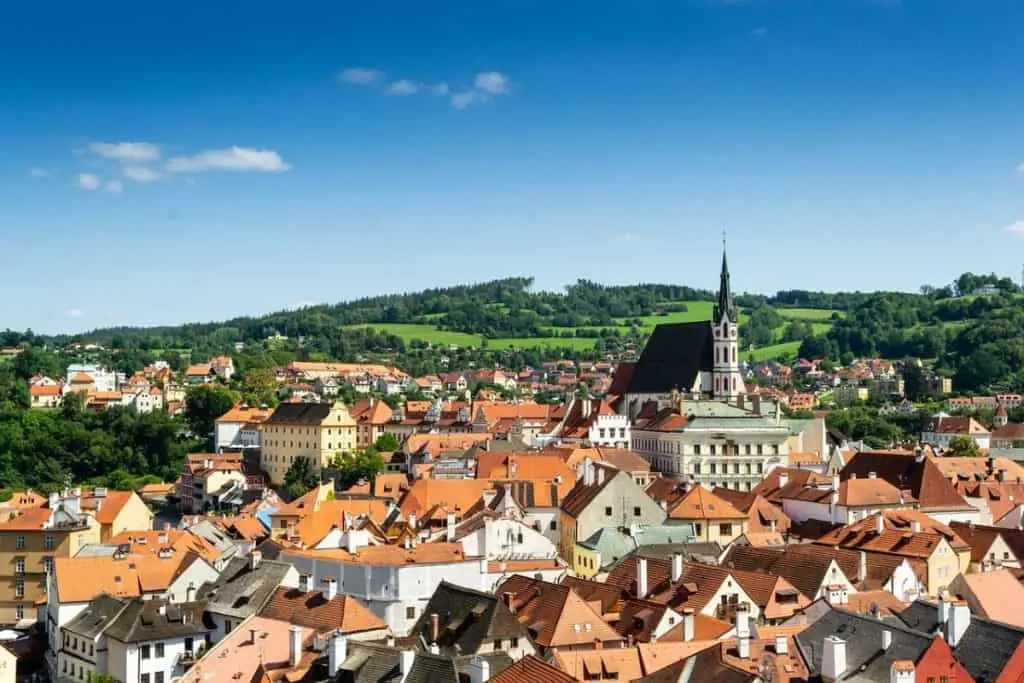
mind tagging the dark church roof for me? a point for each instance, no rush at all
(674, 356)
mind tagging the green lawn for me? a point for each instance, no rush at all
(577, 343)
(427, 333)
(806, 313)
(773, 351)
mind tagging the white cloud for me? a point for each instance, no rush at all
(463, 99)
(441, 89)
(39, 172)
(76, 313)
(1016, 228)
(141, 174)
(229, 159)
(126, 151)
(404, 87)
(491, 82)
(114, 187)
(88, 181)
(360, 76)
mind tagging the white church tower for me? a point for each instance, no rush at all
(726, 378)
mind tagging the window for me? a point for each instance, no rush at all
(144, 678)
(92, 650)
(636, 512)
(696, 449)
(48, 543)
(159, 650)
(410, 612)
(21, 542)
(228, 626)
(713, 468)
(554, 525)
(144, 651)
(19, 565)
(608, 512)
(48, 565)
(696, 528)
(711, 449)
(497, 644)
(19, 612)
(19, 589)
(159, 677)
(725, 529)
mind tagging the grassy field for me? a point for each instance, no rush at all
(773, 351)
(427, 333)
(806, 313)
(579, 343)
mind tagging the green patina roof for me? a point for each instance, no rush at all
(614, 544)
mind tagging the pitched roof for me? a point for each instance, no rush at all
(700, 503)
(97, 615)
(854, 493)
(110, 503)
(240, 590)
(238, 413)
(513, 465)
(555, 615)
(898, 536)
(300, 413)
(467, 620)
(904, 470)
(313, 610)
(158, 619)
(995, 594)
(583, 494)
(531, 669)
(674, 355)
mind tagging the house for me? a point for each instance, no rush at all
(606, 546)
(940, 431)
(223, 367)
(996, 595)
(619, 458)
(152, 640)
(212, 482)
(989, 547)
(593, 422)
(462, 621)
(762, 516)
(326, 612)
(238, 428)
(116, 511)
(844, 502)
(556, 616)
(30, 539)
(46, 395)
(82, 652)
(602, 496)
(242, 590)
(510, 545)
(908, 534)
(394, 582)
(372, 417)
(200, 373)
(714, 519)
(919, 473)
(315, 431)
(531, 669)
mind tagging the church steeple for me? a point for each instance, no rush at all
(725, 307)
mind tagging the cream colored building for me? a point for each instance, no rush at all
(315, 431)
(29, 541)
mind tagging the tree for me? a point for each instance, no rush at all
(365, 464)
(300, 478)
(387, 443)
(203, 405)
(963, 446)
(259, 387)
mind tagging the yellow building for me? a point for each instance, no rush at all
(315, 431)
(116, 511)
(29, 541)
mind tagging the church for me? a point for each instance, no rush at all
(699, 360)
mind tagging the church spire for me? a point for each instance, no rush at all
(725, 307)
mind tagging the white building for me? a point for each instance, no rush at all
(103, 379)
(239, 427)
(844, 502)
(394, 582)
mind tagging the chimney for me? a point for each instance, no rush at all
(337, 653)
(959, 620)
(862, 567)
(783, 479)
(872, 475)
(408, 658)
(879, 523)
(190, 592)
(294, 645)
(743, 621)
(641, 578)
(833, 658)
(886, 639)
(688, 624)
(743, 647)
(781, 646)
(479, 670)
(254, 560)
(915, 526)
(252, 635)
(53, 500)
(677, 567)
(330, 588)
(450, 527)
(902, 671)
(507, 597)
(435, 649)
(835, 482)
(412, 521)
(600, 475)
(944, 608)
(435, 627)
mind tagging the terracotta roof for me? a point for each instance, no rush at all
(996, 595)
(110, 504)
(955, 425)
(555, 615)
(199, 370)
(330, 514)
(315, 611)
(798, 459)
(530, 669)
(796, 479)
(700, 503)
(391, 485)
(582, 494)
(245, 415)
(388, 555)
(854, 493)
(979, 537)
(512, 465)
(865, 602)
(45, 390)
(453, 494)
(904, 470)
(980, 469)
(238, 659)
(370, 411)
(437, 443)
(897, 536)
(150, 541)
(79, 579)
(704, 628)
(81, 378)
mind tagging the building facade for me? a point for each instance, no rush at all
(314, 431)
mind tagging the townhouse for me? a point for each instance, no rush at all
(713, 519)
(314, 431)
(239, 428)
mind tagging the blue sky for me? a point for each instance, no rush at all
(237, 158)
